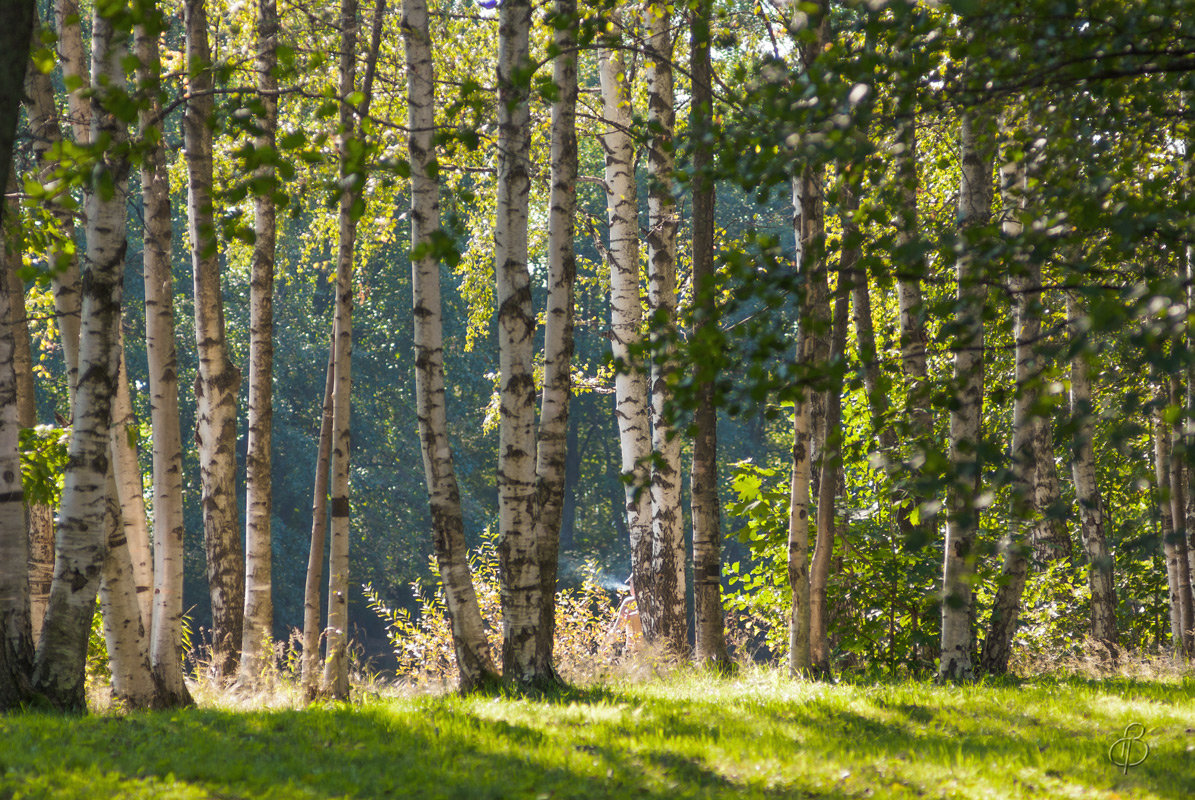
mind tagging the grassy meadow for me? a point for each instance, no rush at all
(756, 735)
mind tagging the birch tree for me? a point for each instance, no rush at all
(218, 380)
(966, 417)
(1087, 492)
(80, 543)
(166, 619)
(552, 439)
(259, 604)
(626, 313)
(668, 538)
(470, 643)
(352, 148)
(709, 625)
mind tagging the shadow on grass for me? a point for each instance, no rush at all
(903, 740)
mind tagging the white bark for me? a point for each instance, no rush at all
(975, 203)
(470, 642)
(81, 542)
(1087, 493)
(166, 619)
(130, 491)
(668, 535)
(552, 452)
(259, 604)
(626, 315)
(218, 379)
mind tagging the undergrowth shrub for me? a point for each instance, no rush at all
(422, 641)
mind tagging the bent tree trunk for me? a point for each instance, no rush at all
(472, 648)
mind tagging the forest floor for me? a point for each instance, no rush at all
(755, 735)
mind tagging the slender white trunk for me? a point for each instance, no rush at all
(81, 542)
(552, 453)
(1173, 548)
(668, 534)
(626, 315)
(966, 417)
(259, 604)
(166, 625)
(130, 491)
(1178, 513)
(470, 642)
(1087, 493)
(517, 549)
(312, 632)
(124, 633)
(1025, 516)
(73, 60)
(218, 379)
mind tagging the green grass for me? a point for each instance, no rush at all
(760, 735)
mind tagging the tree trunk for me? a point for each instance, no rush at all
(81, 541)
(471, 645)
(517, 552)
(166, 620)
(626, 317)
(352, 171)
(966, 417)
(130, 490)
(312, 631)
(913, 339)
(813, 330)
(668, 534)
(47, 135)
(14, 59)
(830, 479)
(16, 644)
(709, 625)
(218, 379)
(1087, 494)
(551, 468)
(1027, 519)
(1178, 513)
(256, 651)
(133, 683)
(1173, 547)
(72, 57)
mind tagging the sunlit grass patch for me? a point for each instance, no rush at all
(759, 734)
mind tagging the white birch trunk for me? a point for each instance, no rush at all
(336, 668)
(668, 535)
(130, 491)
(312, 631)
(166, 619)
(966, 418)
(256, 647)
(517, 549)
(218, 379)
(474, 661)
(552, 453)
(1087, 494)
(1172, 552)
(81, 541)
(1025, 514)
(626, 315)
(124, 634)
